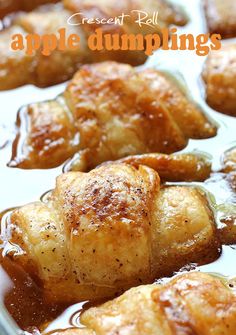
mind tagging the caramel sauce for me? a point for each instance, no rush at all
(24, 299)
(21, 295)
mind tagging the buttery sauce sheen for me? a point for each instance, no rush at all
(20, 294)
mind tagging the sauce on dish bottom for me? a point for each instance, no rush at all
(24, 300)
(21, 295)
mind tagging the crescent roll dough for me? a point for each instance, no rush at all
(219, 75)
(60, 66)
(112, 228)
(190, 304)
(108, 111)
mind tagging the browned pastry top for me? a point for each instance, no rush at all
(221, 17)
(108, 111)
(190, 304)
(112, 228)
(18, 68)
(219, 75)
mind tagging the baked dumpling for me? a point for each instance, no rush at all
(221, 17)
(108, 111)
(193, 303)
(60, 66)
(8, 6)
(229, 160)
(102, 232)
(219, 75)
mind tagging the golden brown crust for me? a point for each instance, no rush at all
(180, 215)
(103, 217)
(175, 167)
(219, 76)
(227, 229)
(51, 135)
(189, 117)
(122, 99)
(64, 64)
(116, 113)
(229, 160)
(221, 17)
(183, 299)
(18, 69)
(107, 230)
(191, 304)
(10, 6)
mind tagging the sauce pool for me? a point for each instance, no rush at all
(20, 294)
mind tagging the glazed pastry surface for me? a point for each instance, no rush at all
(110, 229)
(175, 167)
(108, 111)
(17, 68)
(221, 17)
(9, 6)
(219, 76)
(190, 304)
